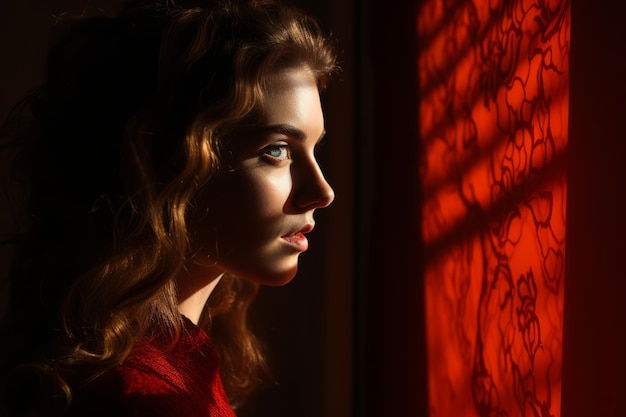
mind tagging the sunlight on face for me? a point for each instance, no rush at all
(257, 215)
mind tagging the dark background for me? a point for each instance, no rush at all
(345, 336)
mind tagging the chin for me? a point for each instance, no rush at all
(275, 278)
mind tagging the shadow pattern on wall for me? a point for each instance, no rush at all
(494, 85)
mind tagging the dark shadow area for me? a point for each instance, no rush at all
(390, 343)
(594, 365)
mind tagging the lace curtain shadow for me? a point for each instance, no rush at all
(494, 84)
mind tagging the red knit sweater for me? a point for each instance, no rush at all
(182, 382)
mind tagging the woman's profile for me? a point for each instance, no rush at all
(169, 168)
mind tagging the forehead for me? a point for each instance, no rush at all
(290, 103)
(290, 78)
(291, 95)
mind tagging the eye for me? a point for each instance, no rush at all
(277, 152)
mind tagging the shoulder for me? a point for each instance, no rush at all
(183, 381)
(128, 391)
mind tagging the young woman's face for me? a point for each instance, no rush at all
(251, 221)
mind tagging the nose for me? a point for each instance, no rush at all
(311, 190)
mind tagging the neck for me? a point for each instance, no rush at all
(194, 288)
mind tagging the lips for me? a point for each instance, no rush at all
(297, 239)
(306, 229)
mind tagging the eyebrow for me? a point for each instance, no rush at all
(288, 130)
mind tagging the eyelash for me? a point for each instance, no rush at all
(267, 152)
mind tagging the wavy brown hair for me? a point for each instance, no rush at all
(130, 124)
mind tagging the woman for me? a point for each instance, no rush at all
(170, 166)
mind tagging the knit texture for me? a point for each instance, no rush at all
(181, 382)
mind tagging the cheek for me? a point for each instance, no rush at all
(273, 191)
(253, 196)
(241, 208)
